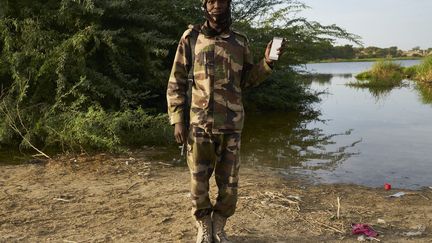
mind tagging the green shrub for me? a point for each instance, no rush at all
(284, 91)
(424, 70)
(113, 131)
(384, 73)
(410, 72)
(364, 75)
(74, 128)
(387, 71)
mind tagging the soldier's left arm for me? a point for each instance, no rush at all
(254, 74)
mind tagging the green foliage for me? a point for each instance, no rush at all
(283, 92)
(382, 78)
(364, 75)
(424, 70)
(63, 56)
(118, 47)
(384, 73)
(330, 52)
(93, 73)
(410, 72)
(98, 129)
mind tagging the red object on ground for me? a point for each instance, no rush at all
(363, 229)
(387, 187)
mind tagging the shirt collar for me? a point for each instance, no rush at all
(224, 35)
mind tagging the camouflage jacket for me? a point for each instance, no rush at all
(223, 67)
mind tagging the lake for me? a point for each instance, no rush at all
(367, 137)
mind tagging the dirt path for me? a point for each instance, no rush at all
(122, 199)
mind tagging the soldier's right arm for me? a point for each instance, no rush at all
(177, 84)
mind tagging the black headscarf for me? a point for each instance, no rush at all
(223, 21)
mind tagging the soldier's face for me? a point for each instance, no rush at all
(217, 7)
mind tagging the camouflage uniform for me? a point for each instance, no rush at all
(223, 67)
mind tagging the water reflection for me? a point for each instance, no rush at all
(323, 78)
(10, 156)
(288, 140)
(378, 93)
(317, 78)
(344, 75)
(395, 131)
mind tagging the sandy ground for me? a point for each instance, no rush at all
(129, 198)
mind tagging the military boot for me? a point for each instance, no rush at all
(205, 229)
(219, 234)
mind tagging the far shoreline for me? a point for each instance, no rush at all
(364, 60)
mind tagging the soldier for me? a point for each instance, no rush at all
(221, 65)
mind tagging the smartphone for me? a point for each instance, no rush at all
(277, 43)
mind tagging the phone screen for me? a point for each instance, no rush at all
(277, 43)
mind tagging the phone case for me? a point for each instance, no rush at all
(277, 43)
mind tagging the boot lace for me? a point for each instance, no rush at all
(220, 223)
(222, 236)
(206, 232)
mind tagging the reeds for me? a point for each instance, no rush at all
(424, 70)
(384, 73)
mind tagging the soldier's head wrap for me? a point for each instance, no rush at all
(222, 21)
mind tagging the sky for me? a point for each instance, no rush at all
(382, 23)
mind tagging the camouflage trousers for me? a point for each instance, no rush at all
(219, 153)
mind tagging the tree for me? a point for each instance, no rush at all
(63, 57)
(393, 51)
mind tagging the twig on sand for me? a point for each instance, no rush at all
(250, 231)
(311, 226)
(165, 164)
(61, 199)
(423, 196)
(328, 226)
(259, 216)
(136, 183)
(338, 207)
(281, 197)
(70, 241)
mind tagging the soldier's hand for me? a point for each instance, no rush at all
(180, 133)
(267, 51)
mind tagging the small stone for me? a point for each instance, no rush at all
(381, 221)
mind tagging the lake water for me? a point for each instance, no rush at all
(369, 137)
